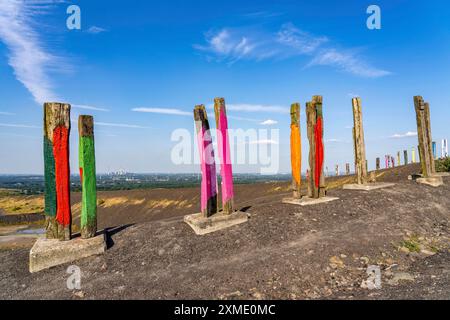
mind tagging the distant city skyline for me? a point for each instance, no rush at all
(140, 67)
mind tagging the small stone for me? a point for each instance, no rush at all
(79, 294)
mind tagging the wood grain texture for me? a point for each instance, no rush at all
(207, 162)
(296, 150)
(86, 149)
(359, 143)
(223, 145)
(57, 170)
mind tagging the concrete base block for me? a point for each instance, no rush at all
(442, 174)
(434, 181)
(368, 186)
(306, 201)
(219, 221)
(50, 253)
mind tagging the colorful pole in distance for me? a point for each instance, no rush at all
(88, 177)
(434, 150)
(57, 171)
(223, 144)
(296, 150)
(207, 162)
(444, 150)
(413, 155)
(405, 156)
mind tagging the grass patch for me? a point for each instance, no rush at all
(412, 244)
(443, 165)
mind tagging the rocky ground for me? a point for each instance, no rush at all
(282, 252)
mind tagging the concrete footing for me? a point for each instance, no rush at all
(434, 181)
(219, 221)
(47, 253)
(306, 201)
(369, 186)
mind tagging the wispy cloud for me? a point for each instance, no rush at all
(167, 111)
(404, 135)
(264, 142)
(234, 44)
(84, 107)
(269, 122)
(28, 56)
(120, 125)
(3, 113)
(96, 30)
(347, 61)
(15, 125)
(244, 107)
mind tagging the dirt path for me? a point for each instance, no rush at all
(283, 252)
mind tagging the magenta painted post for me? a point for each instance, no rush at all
(207, 162)
(223, 144)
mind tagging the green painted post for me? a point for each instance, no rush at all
(88, 177)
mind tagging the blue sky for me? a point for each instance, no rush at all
(164, 57)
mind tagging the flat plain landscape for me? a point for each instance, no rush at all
(282, 252)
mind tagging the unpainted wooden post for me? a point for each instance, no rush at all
(223, 145)
(424, 136)
(296, 150)
(57, 171)
(359, 145)
(88, 176)
(207, 162)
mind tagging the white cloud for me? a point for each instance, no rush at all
(234, 44)
(168, 111)
(256, 108)
(120, 125)
(27, 55)
(78, 106)
(15, 125)
(96, 30)
(269, 122)
(404, 135)
(333, 140)
(3, 113)
(263, 142)
(348, 62)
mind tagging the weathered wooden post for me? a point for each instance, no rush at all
(347, 169)
(405, 156)
(207, 162)
(88, 176)
(57, 171)
(424, 136)
(316, 186)
(315, 174)
(378, 163)
(359, 145)
(224, 154)
(211, 219)
(296, 150)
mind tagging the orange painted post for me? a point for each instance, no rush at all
(296, 150)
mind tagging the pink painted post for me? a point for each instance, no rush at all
(223, 145)
(207, 163)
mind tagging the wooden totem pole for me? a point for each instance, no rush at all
(207, 163)
(405, 156)
(296, 150)
(88, 177)
(378, 164)
(347, 169)
(359, 145)
(314, 118)
(424, 135)
(57, 171)
(223, 144)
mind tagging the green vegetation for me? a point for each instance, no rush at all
(443, 165)
(412, 244)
